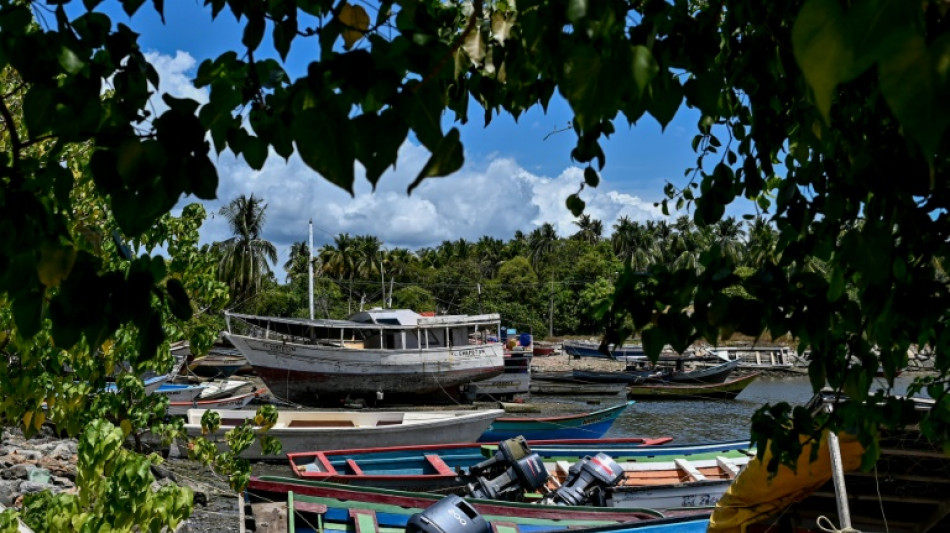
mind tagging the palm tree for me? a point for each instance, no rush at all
(296, 264)
(338, 260)
(245, 257)
(541, 242)
(490, 254)
(760, 248)
(589, 229)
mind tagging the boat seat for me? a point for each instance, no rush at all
(364, 520)
(320, 424)
(726, 465)
(504, 527)
(440, 466)
(690, 470)
(354, 467)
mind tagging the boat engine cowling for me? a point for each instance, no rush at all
(509, 451)
(525, 474)
(586, 481)
(451, 514)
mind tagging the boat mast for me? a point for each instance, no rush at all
(310, 269)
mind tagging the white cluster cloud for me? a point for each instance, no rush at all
(491, 196)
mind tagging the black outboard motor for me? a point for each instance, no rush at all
(451, 514)
(586, 481)
(508, 474)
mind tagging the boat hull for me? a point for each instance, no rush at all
(233, 402)
(542, 387)
(582, 426)
(308, 374)
(675, 391)
(335, 508)
(356, 429)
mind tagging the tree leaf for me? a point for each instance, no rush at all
(575, 204)
(178, 300)
(446, 159)
(253, 32)
(55, 263)
(501, 26)
(325, 143)
(355, 22)
(590, 177)
(821, 48)
(911, 87)
(644, 68)
(475, 46)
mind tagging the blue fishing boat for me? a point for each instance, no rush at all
(176, 392)
(591, 425)
(627, 352)
(431, 466)
(331, 507)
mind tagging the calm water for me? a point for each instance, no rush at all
(689, 421)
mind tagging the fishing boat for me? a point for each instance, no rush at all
(214, 390)
(399, 505)
(151, 383)
(302, 430)
(626, 352)
(629, 377)
(670, 391)
(219, 364)
(759, 357)
(331, 508)
(375, 354)
(181, 408)
(543, 349)
(712, 374)
(576, 426)
(437, 467)
(179, 392)
(574, 388)
(904, 492)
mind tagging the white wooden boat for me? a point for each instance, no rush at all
(214, 390)
(375, 354)
(231, 402)
(308, 430)
(180, 393)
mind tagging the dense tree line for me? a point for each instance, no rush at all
(538, 281)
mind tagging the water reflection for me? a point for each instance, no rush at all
(692, 421)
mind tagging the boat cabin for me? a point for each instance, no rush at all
(386, 329)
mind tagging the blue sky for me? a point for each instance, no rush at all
(513, 179)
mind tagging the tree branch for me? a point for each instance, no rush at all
(472, 21)
(15, 143)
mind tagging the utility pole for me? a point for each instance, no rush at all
(479, 298)
(382, 280)
(310, 269)
(551, 312)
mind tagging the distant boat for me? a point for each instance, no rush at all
(728, 389)
(303, 430)
(151, 384)
(375, 354)
(231, 402)
(214, 390)
(713, 374)
(389, 510)
(516, 379)
(627, 352)
(543, 349)
(575, 387)
(180, 393)
(217, 365)
(577, 426)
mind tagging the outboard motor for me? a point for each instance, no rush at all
(586, 481)
(508, 474)
(451, 514)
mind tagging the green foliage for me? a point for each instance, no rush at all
(415, 298)
(115, 491)
(831, 117)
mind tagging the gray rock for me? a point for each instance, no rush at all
(28, 487)
(30, 455)
(20, 471)
(65, 450)
(62, 481)
(8, 491)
